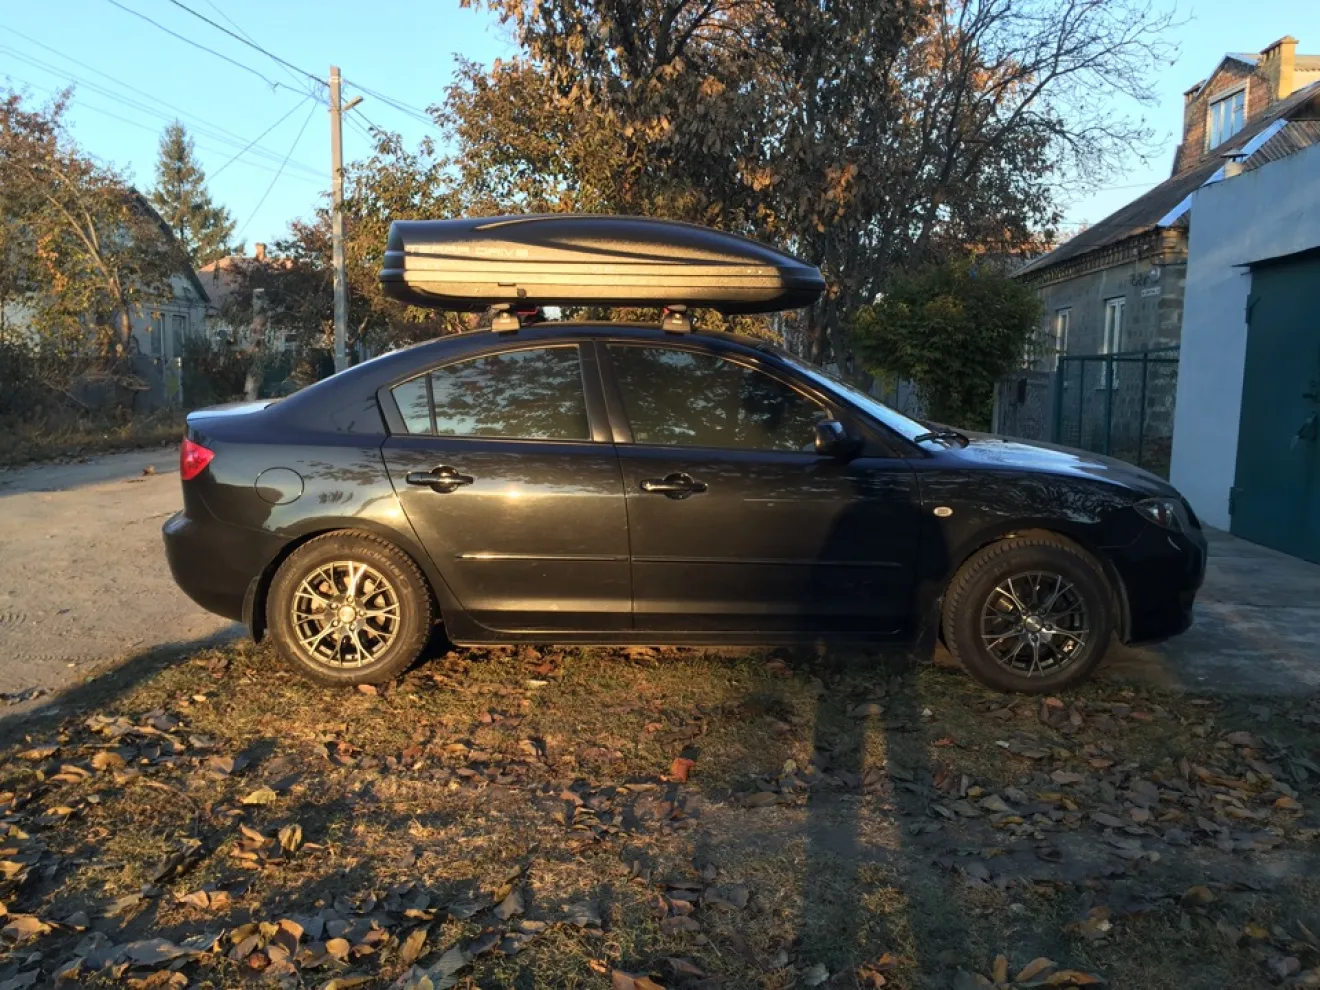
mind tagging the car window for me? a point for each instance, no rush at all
(682, 398)
(530, 394)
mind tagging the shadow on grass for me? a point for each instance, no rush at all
(103, 687)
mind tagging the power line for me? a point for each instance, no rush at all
(262, 202)
(146, 127)
(246, 41)
(195, 44)
(200, 125)
(407, 109)
(272, 127)
(291, 73)
(242, 37)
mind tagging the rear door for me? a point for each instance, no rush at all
(737, 525)
(508, 476)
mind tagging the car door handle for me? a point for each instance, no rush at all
(443, 479)
(677, 485)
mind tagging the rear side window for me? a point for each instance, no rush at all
(680, 398)
(530, 394)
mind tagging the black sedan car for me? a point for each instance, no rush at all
(613, 484)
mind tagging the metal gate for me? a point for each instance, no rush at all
(1118, 404)
(1276, 494)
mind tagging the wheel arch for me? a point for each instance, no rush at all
(1001, 533)
(254, 600)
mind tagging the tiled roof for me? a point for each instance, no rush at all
(1146, 211)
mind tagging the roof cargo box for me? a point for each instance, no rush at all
(567, 260)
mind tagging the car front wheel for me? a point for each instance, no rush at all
(348, 608)
(1030, 614)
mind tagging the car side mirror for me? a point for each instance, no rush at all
(832, 440)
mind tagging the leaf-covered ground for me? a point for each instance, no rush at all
(640, 818)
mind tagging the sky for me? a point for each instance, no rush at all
(265, 144)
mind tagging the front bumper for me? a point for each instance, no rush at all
(1161, 573)
(214, 563)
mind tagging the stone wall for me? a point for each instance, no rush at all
(1152, 295)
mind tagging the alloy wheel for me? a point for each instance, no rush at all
(345, 614)
(1035, 623)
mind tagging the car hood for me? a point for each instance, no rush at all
(1046, 458)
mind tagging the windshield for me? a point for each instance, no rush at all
(905, 426)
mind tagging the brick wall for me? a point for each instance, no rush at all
(1269, 80)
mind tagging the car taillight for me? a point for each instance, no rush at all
(193, 458)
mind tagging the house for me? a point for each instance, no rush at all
(228, 277)
(1246, 434)
(1118, 286)
(160, 329)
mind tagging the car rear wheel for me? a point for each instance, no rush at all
(1030, 614)
(348, 608)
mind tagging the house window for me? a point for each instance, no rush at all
(1113, 340)
(1227, 115)
(157, 334)
(1062, 318)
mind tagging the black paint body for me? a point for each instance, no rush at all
(555, 541)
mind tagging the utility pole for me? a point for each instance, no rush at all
(337, 221)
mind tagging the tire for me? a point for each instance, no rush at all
(391, 606)
(1072, 620)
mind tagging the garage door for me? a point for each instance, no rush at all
(1277, 491)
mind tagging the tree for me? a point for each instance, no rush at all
(868, 137)
(951, 329)
(181, 197)
(100, 252)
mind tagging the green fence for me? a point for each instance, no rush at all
(1118, 404)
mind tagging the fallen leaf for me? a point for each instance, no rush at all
(815, 975)
(1073, 978)
(262, 795)
(346, 982)
(999, 972)
(108, 759)
(1033, 969)
(338, 947)
(413, 946)
(123, 905)
(20, 927)
(291, 837)
(39, 753)
(154, 951)
(685, 967)
(584, 914)
(678, 770)
(620, 980)
(511, 906)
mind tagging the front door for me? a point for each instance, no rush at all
(521, 511)
(737, 525)
(1277, 490)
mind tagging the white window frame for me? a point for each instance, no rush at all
(1062, 324)
(1225, 99)
(1112, 341)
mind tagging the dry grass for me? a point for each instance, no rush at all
(554, 775)
(48, 439)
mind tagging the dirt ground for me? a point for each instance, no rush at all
(83, 578)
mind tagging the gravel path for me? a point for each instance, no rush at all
(83, 577)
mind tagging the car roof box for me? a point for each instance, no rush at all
(575, 260)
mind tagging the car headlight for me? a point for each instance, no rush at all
(1166, 513)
